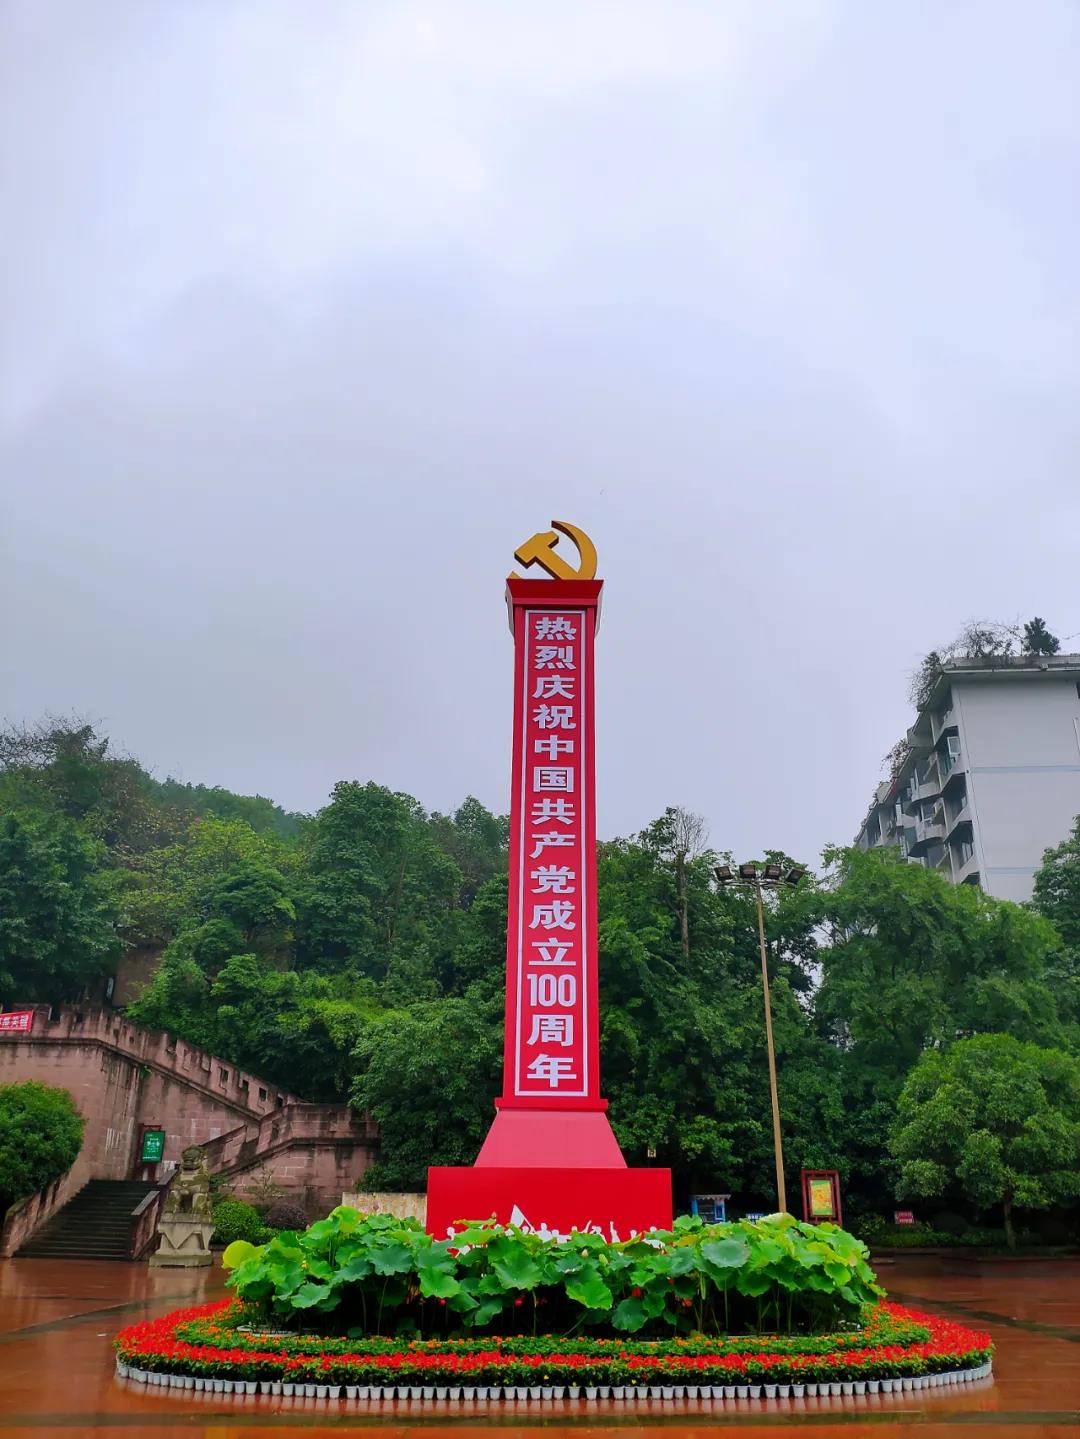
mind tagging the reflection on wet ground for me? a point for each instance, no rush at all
(57, 1319)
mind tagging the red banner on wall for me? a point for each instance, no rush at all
(20, 1020)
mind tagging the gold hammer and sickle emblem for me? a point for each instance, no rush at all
(540, 550)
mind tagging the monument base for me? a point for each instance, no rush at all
(614, 1202)
(550, 1139)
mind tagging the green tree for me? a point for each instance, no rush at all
(429, 1078)
(1056, 892)
(911, 960)
(41, 1134)
(378, 889)
(57, 918)
(1038, 640)
(476, 841)
(996, 1117)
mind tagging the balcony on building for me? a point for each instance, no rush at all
(957, 808)
(965, 864)
(950, 760)
(943, 717)
(929, 832)
(927, 780)
(921, 735)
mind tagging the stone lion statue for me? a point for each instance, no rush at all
(189, 1192)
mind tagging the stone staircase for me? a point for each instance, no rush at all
(94, 1224)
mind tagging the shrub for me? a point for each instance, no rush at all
(383, 1274)
(949, 1222)
(286, 1216)
(41, 1133)
(233, 1220)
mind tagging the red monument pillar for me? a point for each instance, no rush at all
(550, 1160)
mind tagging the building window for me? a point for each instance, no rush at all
(223, 1076)
(262, 1094)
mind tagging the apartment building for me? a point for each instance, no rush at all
(993, 774)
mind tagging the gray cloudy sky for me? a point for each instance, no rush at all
(312, 311)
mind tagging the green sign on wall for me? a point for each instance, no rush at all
(153, 1146)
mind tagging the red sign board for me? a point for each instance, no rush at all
(903, 1216)
(551, 1029)
(18, 1020)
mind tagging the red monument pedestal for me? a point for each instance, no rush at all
(550, 1161)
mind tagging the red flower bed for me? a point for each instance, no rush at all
(893, 1343)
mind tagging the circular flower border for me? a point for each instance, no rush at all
(205, 1349)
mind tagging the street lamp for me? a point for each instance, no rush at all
(769, 876)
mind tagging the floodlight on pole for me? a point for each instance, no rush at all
(770, 876)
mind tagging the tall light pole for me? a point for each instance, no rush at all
(769, 876)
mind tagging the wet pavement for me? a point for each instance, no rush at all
(57, 1320)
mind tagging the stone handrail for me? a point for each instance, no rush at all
(144, 1222)
(249, 1144)
(156, 1050)
(29, 1214)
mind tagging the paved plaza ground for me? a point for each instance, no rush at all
(57, 1320)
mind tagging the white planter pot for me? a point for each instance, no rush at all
(798, 1391)
(200, 1383)
(333, 1391)
(907, 1384)
(784, 1390)
(590, 1391)
(730, 1390)
(310, 1391)
(770, 1391)
(873, 1386)
(847, 1387)
(251, 1386)
(860, 1386)
(755, 1391)
(887, 1386)
(219, 1386)
(742, 1391)
(535, 1390)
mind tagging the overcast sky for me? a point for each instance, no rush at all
(311, 312)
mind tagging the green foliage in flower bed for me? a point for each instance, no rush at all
(376, 1274)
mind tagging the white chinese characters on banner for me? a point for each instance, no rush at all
(552, 992)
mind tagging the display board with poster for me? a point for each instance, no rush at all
(821, 1196)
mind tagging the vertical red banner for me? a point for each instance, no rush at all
(552, 1031)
